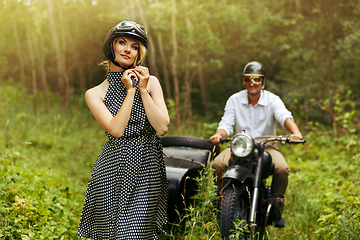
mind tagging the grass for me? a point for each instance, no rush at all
(46, 161)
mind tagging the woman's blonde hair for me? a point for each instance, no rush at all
(138, 61)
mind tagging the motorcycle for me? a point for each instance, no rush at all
(245, 195)
(184, 158)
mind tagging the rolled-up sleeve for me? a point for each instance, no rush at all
(228, 119)
(280, 111)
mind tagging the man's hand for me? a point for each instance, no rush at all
(220, 133)
(291, 126)
(215, 139)
(296, 136)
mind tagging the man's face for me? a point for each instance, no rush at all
(253, 83)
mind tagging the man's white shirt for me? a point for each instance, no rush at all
(256, 120)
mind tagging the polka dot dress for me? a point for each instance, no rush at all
(127, 193)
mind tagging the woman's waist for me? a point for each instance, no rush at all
(134, 138)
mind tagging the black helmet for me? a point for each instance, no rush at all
(254, 68)
(125, 28)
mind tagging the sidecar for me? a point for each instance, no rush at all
(184, 157)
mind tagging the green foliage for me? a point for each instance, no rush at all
(323, 196)
(35, 204)
(46, 161)
(240, 229)
(341, 108)
(201, 217)
(45, 164)
(309, 48)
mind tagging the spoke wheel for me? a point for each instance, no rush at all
(235, 208)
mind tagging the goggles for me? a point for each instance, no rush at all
(254, 79)
(128, 25)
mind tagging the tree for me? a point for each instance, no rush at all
(62, 76)
(197, 49)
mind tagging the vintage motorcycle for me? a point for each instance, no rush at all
(246, 200)
(244, 195)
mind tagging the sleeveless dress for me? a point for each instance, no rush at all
(127, 193)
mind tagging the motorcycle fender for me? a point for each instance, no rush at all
(237, 172)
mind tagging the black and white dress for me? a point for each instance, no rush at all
(127, 193)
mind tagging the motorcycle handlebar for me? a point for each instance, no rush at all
(281, 139)
(297, 141)
(224, 140)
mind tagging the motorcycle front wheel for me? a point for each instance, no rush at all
(235, 210)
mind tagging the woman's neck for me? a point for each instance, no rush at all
(114, 68)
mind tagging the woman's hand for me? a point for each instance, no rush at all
(126, 78)
(143, 77)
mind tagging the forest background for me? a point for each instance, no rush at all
(49, 52)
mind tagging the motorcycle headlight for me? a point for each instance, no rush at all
(242, 145)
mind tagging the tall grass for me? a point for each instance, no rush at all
(46, 161)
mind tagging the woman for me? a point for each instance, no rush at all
(127, 193)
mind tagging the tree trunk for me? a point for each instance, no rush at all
(61, 79)
(330, 45)
(164, 62)
(174, 67)
(29, 41)
(203, 90)
(19, 54)
(39, 43)
(187, 113)
(151, 48)
(79, 64)
(331, 65)
(81, 75)
(321, 19)
(63, 33)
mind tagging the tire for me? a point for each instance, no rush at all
(194, 142)
(235, 206)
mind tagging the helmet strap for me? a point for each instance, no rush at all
(118, 65)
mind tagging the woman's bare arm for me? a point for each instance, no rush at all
(155, 107)
(116, 125)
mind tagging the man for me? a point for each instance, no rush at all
(257, 111)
